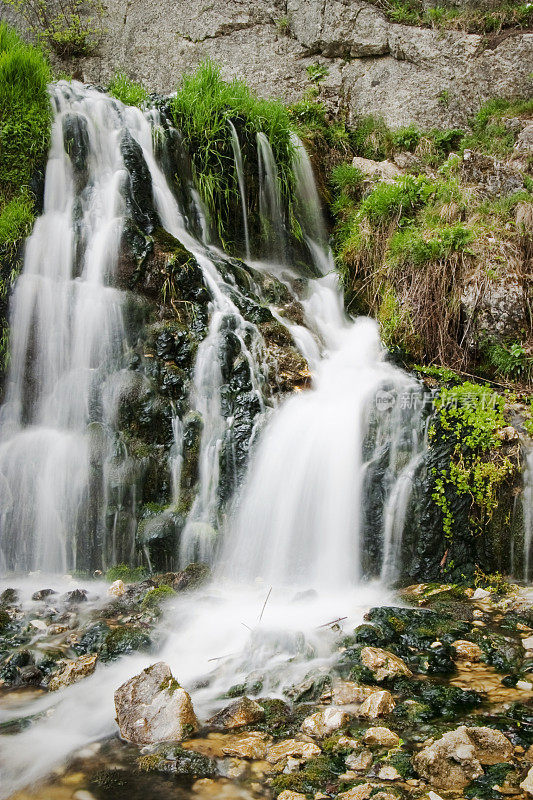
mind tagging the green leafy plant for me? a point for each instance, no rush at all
(468, 418)
(125, 573)
(317, 72)
(71, 28)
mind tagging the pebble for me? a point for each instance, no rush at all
(38, 624)
(527, 644)
(525, 686)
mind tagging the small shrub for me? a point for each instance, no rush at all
(317, 72)
(71, 28)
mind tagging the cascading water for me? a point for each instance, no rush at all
(297, 521)
(67, 338)
(527, 504)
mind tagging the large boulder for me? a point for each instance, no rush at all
(457, 758)
(152, 707)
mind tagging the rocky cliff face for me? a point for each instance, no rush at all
(406, 74)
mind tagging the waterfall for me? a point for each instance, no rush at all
(298, 518)
(67, 338)
(270, 204)
(309, 210)
(527, 501)
(237, 155)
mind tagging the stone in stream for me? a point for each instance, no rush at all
(457, 758)
(467, 650)
(152, 707)
(242, 712)
(378, 704)
(292, 748)
(42, 594)
(325, 722)
(527, 783)
(73, 671)
(383, 664)
(381, 737)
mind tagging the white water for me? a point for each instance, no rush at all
(239, 169)
(297, 523)
(527, 501)
(67, 337)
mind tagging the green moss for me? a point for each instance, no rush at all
(468, 418)
(127, 91)
(488, 133)
(315, 775)
(170, 685)
(154, 597)
(123, 640)
(484, 786)
(123, 572)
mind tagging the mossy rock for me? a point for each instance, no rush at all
(317, 774)
(177, 760)
(154, 597)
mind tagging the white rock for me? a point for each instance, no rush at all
(527, 783)
(38, 624)
(117, 588)
(152, 707)
(480, 594)
(325, 722)
(528, 643)
(525, 686)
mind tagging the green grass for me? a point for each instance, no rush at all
(25, 112)
(203, 106)
(489, 133)
(471, 20)
(25, 118)
(127, 91)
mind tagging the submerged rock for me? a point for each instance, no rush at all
(73, 671)
(152, 707)
(242, 712)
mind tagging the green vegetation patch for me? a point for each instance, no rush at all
(202, 109)
(471, 20)
(468, 418)
(128, 91)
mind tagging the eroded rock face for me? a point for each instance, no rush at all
(397, 71)
(457, 758)
(152, 707)
(383, 664)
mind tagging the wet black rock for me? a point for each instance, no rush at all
(76, 596)
(42, 594)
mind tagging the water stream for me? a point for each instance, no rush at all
(296, 521)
